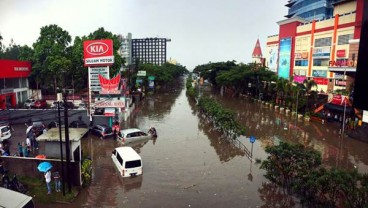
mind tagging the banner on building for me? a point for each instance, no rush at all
(284, 58)
(109, 86)
(272, 58)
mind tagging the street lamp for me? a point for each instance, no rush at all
(343, 120)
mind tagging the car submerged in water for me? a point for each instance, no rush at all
(132, 135)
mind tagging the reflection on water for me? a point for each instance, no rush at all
(270, 127)
(190, 165)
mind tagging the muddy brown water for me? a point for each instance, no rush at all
(191, 165)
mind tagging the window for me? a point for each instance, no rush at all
(133, 164)
(344, 39)
(119, 159)
(321, 42)
(301, 62)
(321, 62)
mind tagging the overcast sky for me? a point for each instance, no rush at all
(200, 30)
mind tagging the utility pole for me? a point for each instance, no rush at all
(59, 101)
(67, 143)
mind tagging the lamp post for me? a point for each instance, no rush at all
(59, 101)
(343, 120)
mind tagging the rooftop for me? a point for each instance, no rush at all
(52, 135)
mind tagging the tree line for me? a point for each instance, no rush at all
(57, 62)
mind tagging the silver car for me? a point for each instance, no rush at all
(132, 135)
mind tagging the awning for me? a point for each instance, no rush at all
(342, 69)
(339, 108)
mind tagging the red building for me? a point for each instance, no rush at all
(13, 82)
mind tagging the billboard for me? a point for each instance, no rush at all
(272, 54)
(109, 86)
(98, 52)
(284, 58)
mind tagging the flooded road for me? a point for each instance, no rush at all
(191, 165)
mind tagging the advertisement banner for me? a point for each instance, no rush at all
(284, 58)
(320, 81)
(98, 52)
(272, 58)
(109, 86)
(299, 79)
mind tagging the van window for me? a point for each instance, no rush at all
(119, 159)
(133, 164)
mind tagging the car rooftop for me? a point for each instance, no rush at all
(129, 153)
(127, 131)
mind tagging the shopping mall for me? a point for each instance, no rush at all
(324, 50)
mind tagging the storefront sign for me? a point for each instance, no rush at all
(319, 73)
(340, 82)
(341, 62)
(110, 103)
(14, 69)
(321, 53)
(299, 79)
(320, 81)
(340, 53)
(98, 52)
(303, 55)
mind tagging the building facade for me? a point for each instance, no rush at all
(310, 9)
(14, 82)
(325, 50)
(150, 50)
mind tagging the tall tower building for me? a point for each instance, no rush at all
(257, 53)
(311, 9)
(149, 50)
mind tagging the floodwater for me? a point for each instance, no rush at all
(190, 164)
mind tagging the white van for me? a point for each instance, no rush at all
(127, 161)
(9, 198)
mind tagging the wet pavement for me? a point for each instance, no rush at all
(190, 164)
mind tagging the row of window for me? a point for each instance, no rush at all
(319, 62)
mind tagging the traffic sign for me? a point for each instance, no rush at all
(252, 139)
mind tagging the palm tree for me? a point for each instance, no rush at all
(308, 85)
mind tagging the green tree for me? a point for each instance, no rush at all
(51, 56)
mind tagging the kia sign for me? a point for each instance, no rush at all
(98, 52)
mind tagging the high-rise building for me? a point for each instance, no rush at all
(125, 48)
(149, 50)
(310, 9)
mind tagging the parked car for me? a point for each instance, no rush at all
(5, 132)
(127, 161)
(102, 131)
(70, 105)
(40, 104)
(82, 106)
(132, 135)
(29, 103)
(78, 124)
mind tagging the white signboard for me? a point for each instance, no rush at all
(94, 82)
(110, 103)
(365, 116)
(141, 73)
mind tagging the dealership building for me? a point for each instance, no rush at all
(324, 50)
(13, 82)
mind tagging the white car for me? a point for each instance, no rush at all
(5, 133)
(132, 135)
(29, 103)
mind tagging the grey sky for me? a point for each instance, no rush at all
(200, 30)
